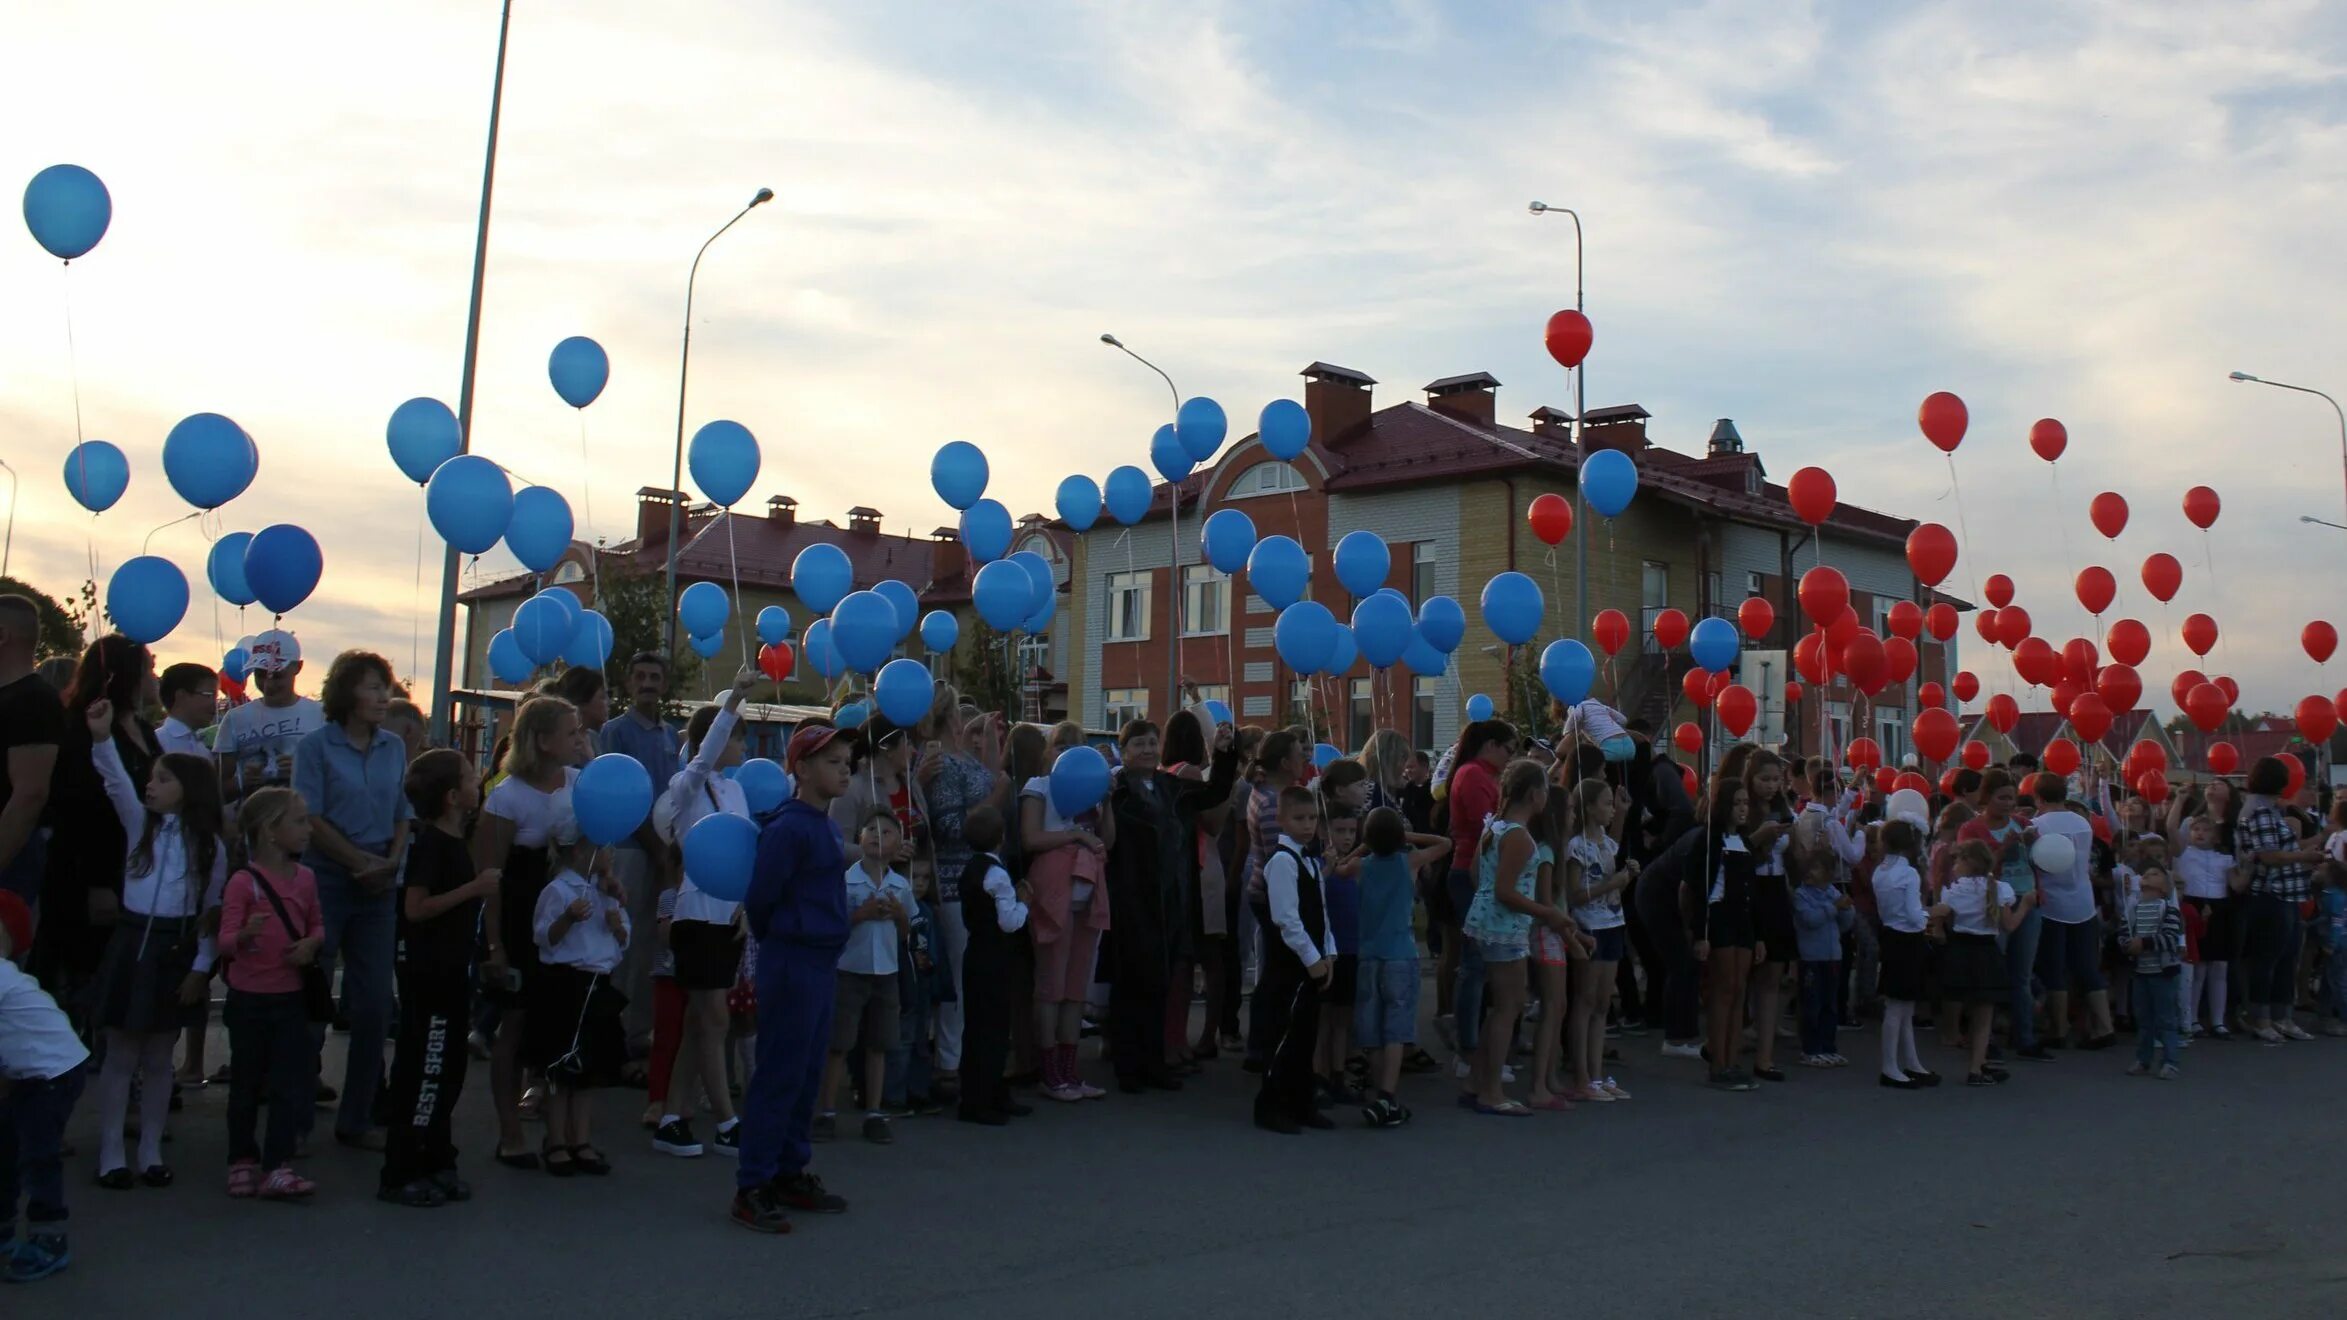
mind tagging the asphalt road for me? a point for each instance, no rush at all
(2075, 1191)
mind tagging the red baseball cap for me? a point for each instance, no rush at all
(810, 739)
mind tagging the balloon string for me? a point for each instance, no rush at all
(173, 523)
(734, 565)
(1957, 488)
(587, 504)
(73, 362)
(415, 606)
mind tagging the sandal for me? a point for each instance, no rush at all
(285, 1185)
(1504, 1109)
(244, 1178)
(1555, 1104)
(588, 1160)
(560, 1168)
(520, 1159)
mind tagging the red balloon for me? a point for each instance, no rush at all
(1736, 708)
(1885, 779)
(2061, 756)
(1864, 660)
(2231, 689)
(2297, 769)
(1809, 657)
(1905, 620)
(1985, 623)
(2108, 511)
(1931, 552)
(1864, 754)
(2003, 713)
(2223, 758)
(1976, 755)
(1940, 621)
(1687, 777)
(2185, 682)
(2318, 719)
(1943, 420)
(1714, 684)
(1948, 780)
(2128, 642)
(1757, 616)
(2206, 707)
(1670, 630)
(1931, 694)
(1811, 492)
(1964, 685)
(2090, 717)
(1844, 627)
(2096, 589)
(2149, 754)
(1998, 589)
(2119, 686)
(2034, 660)
(1551, 516)
(1696, 686)
(1910, 779)
(1824, 594)
(1899, 658)
(1688, 738)
(2200, 635)
(1611, 630)
(2049, 438)
(2162, 576)
(2065, 692)
(1936, 734)
(1568, 338)
(1792, 694)
(2153, 785)
(2201, 505)
(2079, 661)
(776, 660)
(2320, 640)
(2012, 626)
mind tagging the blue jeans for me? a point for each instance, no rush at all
(909, 1063)
(2158, 1016)
(32, 1151)
(1467, 985)
(2020, 968)
(1819, 1018)
(361, 930)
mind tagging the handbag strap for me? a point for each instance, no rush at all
(261, 883)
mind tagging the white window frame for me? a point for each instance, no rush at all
(1754, 585)
(1129, 606)
(1118, 706)
(1198, 582)
(1360, 712)
(1424, 693)
(1648, 609)
(1422, 561)
(1212, 692)
(1270, 477)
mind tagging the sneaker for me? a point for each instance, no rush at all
(285, 1185)
(2266, 1036)
(1731, 1081)
(1066, 1095)
(1979, 1079)
(676, 1138)
(2138, 1070)
(38, 1257)
(1677, 1050)
(824, 1128)
(1634, 1027)
(2167, 1072)
(2292, 1031)
(1611, 1087)
(1816, 1061)
(727, 1140)
(804, 1191)
(1461, 1069)
(1613, 1030)
(2219, 1033)
(760, 1210)
(422, 1194)
(2335, 1028)
(876, 1130)
(1836, 1061)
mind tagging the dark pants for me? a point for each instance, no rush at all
(797, 989)
(986, 1023)
(2272, 934)
(427, 1073)
(1666, 929)
(1820, 985)
(1136, 1010)
(361, 933)
(32, 1150)
(1288, 1082)
(272, 1057)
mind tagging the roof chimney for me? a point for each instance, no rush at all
(1724, 439)
(1622, 427)
(1337, 399)
(1471, 398)
(782, 511)
(948, 561)
(864, 521)
(652, 511)
(1555, 423)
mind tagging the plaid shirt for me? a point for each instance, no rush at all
(2265, 827)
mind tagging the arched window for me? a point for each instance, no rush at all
(1272, 478)
(567, 571)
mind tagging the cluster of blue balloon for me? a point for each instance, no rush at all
(1306, 634)
(1017, 593)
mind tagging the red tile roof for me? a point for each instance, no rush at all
(2036, 729)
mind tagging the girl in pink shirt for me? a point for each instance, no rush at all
(269, 933)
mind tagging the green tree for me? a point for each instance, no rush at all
(61, 627)
(983, 671)
(635, 602)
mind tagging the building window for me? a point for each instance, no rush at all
(1422, 690)
(1128, 607)
(1890, 733)
(1201, 693)
(1265, 479)
(568, 571)
(1655, 597)
(1753, 586)
(1120, 706)
(1837, 726)
(1303, 703)
(1042, 545)
(1713, 601)
(1206, 601)
(1363, 717)
(1421, 572)
(1882, 615)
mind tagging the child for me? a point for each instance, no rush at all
(1341, 883)
(158, 960)
(1295, 968)
(190, 696)
(2152, 934)
(880, 903)
(2330, 933)
(1500, 919)
(439, 908)
(1821, 913)
(920, 979)
(574, 1035)
(1065, 860)
(1978, 907)
(1552, 960)
(1898, 894)
(41, 1071)
(995, 911)
(273, 924)
(1385, 1008)
(2207, 878)
(1723, 930)
(1594, 886)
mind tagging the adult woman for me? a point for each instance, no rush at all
(1484, 750)
(885, 782)
(1669, 891)
(1239, 935)
(2009, 839)
(956, 772)
(2279, 869)
(1279, 762)
(1386, 756)
(1185, 755)
(352, 775)
(81, 887)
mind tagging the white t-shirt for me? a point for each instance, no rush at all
(2336, 846)
(532, 812)
(1039, 788)
(1597, 864)
(1967, 897)
(256, 733)
(1597, 721)
(589, 944)
(37, 1043)
(2068, 897)
(2206, 872)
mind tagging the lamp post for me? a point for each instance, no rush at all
(2321, 522)
(676, 472)
(2301, 389)
(1580, 406)
(1173, 574)
(8, 546)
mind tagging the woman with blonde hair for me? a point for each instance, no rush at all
(1385, 756)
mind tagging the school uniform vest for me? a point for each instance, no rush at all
(985, 924)
(1311, 904)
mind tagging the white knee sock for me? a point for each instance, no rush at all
(1908, 1058)
(154, 1094)
(2195, 977)
(122, 1060)
(1894, 1014)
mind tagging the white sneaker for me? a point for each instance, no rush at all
(1460, 1069)
(1507, 1072)
(2292, 1030)
(1690, 1050)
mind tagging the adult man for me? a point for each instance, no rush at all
(31, 718)
(255, 741)
(2070, 948)
(641, 862)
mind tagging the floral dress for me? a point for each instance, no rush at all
(1504, 932)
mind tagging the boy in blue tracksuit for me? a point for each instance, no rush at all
(797, 907)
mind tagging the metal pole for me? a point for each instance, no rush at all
(1173, 491)
(444, 637)
(8, 546)
(1580, 406)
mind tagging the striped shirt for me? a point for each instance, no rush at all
(2157, 924)
(2265, 827)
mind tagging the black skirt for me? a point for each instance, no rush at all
(1972, 970)
(137, 985)
(1728, 925)
(524, 877)
(573, 1031)
(707, 954)
(1772, 919)
(2220, 939)
(1906, 957)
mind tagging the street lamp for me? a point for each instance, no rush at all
(1173, 575)
(1580, 406)
(676, 473)
(2301, 389)
(2321, 522)
(9, 545)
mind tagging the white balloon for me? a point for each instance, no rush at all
(1909, 805)
(2053, 854)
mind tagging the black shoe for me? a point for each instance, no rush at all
(1925, 1076)
(676, 1139)
(728, 1141)
(118, 1180)
(1318, 1121)
(452, 1188)
(156, 1175)
(1898, 1083)
(1253, 1065)
(2035, 1054)
(421, 1194)
(760, 1210)
(984, 1117)
(1131, 1085)
(1979, 1079)
(804, 1191)
(1274, 1122)
(327, 1095)
(1161, 1079)
(1769, 1074)
(1014, 1109)
(876, 1130)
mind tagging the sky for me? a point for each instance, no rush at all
(1805, 217)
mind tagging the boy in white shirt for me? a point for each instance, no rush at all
(189, 693)
(1295, 966)
(41, 1067)
(880, 904)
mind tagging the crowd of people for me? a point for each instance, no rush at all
(925, 927)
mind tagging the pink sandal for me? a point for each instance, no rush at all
(244, 1178)
(1555, 1104)
(286, 1185)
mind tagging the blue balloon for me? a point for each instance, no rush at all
(579, 369)
(719, 850)
(422, 435)
(1344, 653)
(1229, 537)
(1512, 607)
(1201, 427)
(702, 609)
(724, 461)
(590, 641)
(863, 628)
(1423, 659)
(1608, 480)
(96, 474)
(1567, 669)
(1079, 780)
(822, 577)
(852, 715)
(1713, 644)
(561, 599)
(235, 663)
(1381, 627)
(1325, 755)
(1442, 623)
(986, 531)
(542, 630)
(818, 652)
(611, 798)
(1004, 595)
(1285, 429)
(225, 567)
(68, 209)
(958, 473)
(281, 565)
(1395, 592)
(764, 785)
(1362, 561)
(1042, 585)
(1220, 710)
(1167, 455)
(1078, 502)
(907, 606)
(1127, 495)
(1037, 623)
(1305, 636)
(1278, 570)
(538, 527)
(707, 647)
(469, 502)
(209, 460)
(1479, 707)
(506, 661)
(903, 691)
(773, 626)
(940, 630)
(147, 598)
